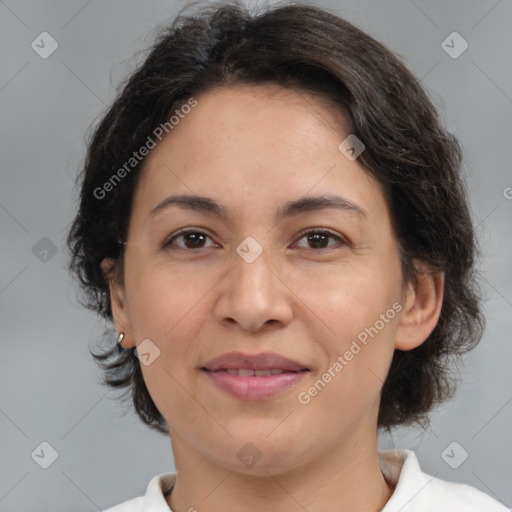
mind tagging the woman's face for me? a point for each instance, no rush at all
(252, 279)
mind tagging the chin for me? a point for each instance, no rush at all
(262, 455)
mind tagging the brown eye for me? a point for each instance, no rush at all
(190, 240)
(318, 239)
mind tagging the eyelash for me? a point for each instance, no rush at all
(169, 241)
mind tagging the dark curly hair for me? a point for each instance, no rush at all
(408, 152)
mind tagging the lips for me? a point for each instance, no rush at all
(266, 361)
(248, 372)
(254, 377)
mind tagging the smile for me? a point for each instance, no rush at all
(249, 372)
(248, 384)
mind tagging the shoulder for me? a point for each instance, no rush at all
(154, 499)
(417, 491)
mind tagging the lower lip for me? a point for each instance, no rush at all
(256, 387)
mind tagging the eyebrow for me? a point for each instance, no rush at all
(290, 209)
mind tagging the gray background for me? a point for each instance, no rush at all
(49, 384)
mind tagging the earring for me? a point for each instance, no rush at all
(120, 338)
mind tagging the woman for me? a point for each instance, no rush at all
(275, 222)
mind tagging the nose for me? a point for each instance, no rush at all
(254, 296)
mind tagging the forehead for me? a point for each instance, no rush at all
(257, 144)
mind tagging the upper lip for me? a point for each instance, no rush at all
(262, 361)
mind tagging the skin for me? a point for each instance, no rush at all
(253, 148)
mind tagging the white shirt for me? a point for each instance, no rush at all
(415, 491)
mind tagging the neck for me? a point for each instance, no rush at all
(348, 477)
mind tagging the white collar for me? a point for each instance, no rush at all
(415, 491)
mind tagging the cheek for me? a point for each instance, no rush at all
(357, 330)
(168, 309)
(165, 307)
(352, 297)
(162, 298)
(357, 359)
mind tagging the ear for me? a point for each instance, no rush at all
(120, 313)
(422, 308)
